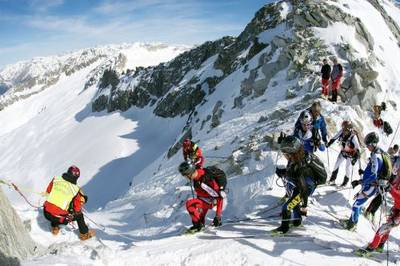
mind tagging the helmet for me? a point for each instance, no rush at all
(307, 118)
(290, 144)
(186, 168)
(187, 144)
(347, 125)
(371, 139)
(74, 171)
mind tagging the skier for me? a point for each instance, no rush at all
(377, 111)
(318, 123)
(209, 184)
(64, 203)
(369, 179)
(336, 76)
(394, 162)
(192, 153)
(393, 220)
(326, 73)
(350, 151)
(303, 173)
(308, 134)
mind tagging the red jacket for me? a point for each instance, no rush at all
(195, 154)
(207, 190)
(395, 192)
(55, 210)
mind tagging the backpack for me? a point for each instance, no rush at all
(387, 128)
(316, 169)
(387, 167)
(213, 172)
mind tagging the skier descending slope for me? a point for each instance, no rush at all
(350, 151)
(209, 184)
(318, 123)
(303, 173)
(192, 153)
(64, 203)
(369, 179)
(393, 220)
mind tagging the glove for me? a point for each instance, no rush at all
(217, 221)
(330, 143)
(355, 183)
(360, 171)
(222, 194)
(281, 137)
(354, 161)
(70, 217)
(281, 172)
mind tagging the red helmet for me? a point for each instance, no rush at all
(187, 144)
(74, 171)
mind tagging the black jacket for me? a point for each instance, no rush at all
(326, 71)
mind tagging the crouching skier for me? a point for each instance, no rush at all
(393, 220)
(209, 184)
(64, 203)
(303, 173)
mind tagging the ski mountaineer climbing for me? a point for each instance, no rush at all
(209, 184)
(368, 181)
(308, 134)
(388, 173)
(336, 76)
(192, 153)
(325, 73)
(64, 203)
(304, 172)
(350, 151)
(318, 123)
(393, 220)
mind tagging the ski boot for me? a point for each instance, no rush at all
(279, 231)
(88, 235)
(345, 181)
(350, 225)
(364, 252)
(333, 177)
(195, 228)
(55, 230)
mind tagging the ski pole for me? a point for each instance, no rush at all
(191, 188)
(327, 154)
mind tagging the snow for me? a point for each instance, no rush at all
(286, 9)
(340, 32)
(136, 193)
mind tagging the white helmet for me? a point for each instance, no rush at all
(307, 118)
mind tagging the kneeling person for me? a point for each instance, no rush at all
(64, 203)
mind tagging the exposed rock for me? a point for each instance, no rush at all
(217, 114)
(15, 242)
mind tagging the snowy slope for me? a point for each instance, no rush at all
(55, 128)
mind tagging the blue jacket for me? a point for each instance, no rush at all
(372, 170)
(318, 123)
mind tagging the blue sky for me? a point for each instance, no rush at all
(30, 28)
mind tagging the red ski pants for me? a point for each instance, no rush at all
(198, 209)
(383, 232)
(336, 84)
(325, 87)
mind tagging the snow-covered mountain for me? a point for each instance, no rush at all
(233, 96)
(26, 78)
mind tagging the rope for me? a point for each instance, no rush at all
(24, 197)
(395, 133)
